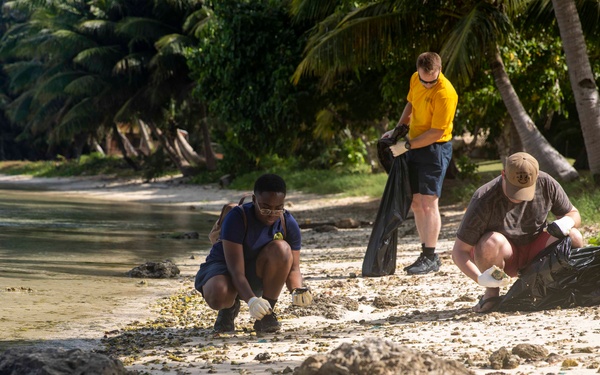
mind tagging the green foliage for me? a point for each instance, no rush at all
(243, 69)
(155, 165)
(467, 168)
(87, 165)
(322, 182)
(585, 195)
(540, 66)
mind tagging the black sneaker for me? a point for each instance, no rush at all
(424, 265)
(268, 323)
(226, 319)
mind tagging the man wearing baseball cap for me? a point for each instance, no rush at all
(505, 225)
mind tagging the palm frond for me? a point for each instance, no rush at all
(131, 64)
(22, 6)
(165, 66)
(99, 28)
(146, 29)
(19, 109)
(173, 44)
(64, 45)
(484, 26)
(81, 117)
(589, 14)
(11, 41)
(195, 23)
(55, 86)
(130, 108)
(355, 43)
(99, 59)
(312, 10)
(45, 116)
(87, 85)
(23, 74)
(22, 42)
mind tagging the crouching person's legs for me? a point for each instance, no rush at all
(273, 266)
(493, 249)
(220, 294)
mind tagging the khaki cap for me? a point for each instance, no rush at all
(521, 174)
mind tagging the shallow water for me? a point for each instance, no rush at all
(63, 263)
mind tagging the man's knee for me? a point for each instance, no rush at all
(421, 201)
(490, 243)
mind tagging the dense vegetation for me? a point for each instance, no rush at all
(229, 87)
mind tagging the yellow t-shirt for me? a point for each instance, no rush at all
(432, 108)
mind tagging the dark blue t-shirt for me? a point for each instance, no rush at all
(256, 235)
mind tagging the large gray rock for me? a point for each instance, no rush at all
(32, 361)
(155, 270)
(378, 357)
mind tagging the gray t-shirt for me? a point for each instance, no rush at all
(490, 210)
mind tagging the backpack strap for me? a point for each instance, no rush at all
(241, 202)
(283, 224)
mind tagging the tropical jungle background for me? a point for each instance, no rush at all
(230, 87)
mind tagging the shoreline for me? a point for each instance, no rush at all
(430, 313)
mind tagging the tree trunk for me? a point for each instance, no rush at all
(171, 148)
(124, 141)
(96, 146)
(145, 140)
(551, 161)
(209, 153)
(119, 137)
(582, 80)
(187, 150)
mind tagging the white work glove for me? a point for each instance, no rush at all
(259, 307)
(493, 277)
(398, 148)
(301, 297)
(560, 228)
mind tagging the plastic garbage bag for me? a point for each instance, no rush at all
(384, 154)
(558, 277)
(380, 258)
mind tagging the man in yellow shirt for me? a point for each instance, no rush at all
(429, 113)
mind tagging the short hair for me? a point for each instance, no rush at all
(270, 182)
(429, 62)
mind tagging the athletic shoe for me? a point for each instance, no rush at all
(226, 319)
(424, 265)
(268, 323)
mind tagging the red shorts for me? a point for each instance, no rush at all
(524, 254)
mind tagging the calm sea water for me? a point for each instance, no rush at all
(63, 261)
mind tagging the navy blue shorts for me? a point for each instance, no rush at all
(209, 270)
(427, 168)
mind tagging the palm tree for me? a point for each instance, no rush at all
(119, 63)
(467, 37)
(582, 79)
(161, 35)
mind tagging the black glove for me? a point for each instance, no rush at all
(555, 231)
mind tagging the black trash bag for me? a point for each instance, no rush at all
(558, 277)
(384, 154)
(380, 258)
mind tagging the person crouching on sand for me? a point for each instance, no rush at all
(259, 252)
(505, 226)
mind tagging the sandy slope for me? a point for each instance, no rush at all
(429, 313)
